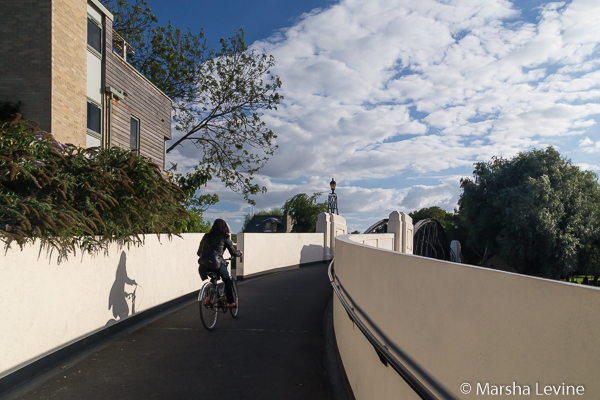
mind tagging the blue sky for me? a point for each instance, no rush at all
(396, 99)
(221, 18)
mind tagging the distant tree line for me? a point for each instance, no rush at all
(537, 211)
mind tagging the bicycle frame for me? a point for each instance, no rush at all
(213, 298)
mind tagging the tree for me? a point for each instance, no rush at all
(448, 220)
(537, 210)
(304, 211)
(218, 97)
(454, 228)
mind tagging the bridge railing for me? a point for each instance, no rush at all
(457, 328)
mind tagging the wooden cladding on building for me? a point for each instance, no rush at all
(142, 101)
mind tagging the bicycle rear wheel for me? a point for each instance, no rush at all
(236, 298)
(209, 308)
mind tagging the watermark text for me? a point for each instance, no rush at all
(515, 389)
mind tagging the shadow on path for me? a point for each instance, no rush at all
(273, 350)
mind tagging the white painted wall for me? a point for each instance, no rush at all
(463, 323)
(267, 251)
(380, 240)
(47, 305)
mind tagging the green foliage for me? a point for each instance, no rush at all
(195, 223)
(68, 196)
(537, 210)
(248, 216)
(196, 204)
(588, 261)
(218, 96)
(304, 211)
(448, 220)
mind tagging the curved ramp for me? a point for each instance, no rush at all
(273, 350)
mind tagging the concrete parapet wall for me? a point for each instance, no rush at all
(268, 251)
(453, 324)
(47, 305)
(379, 240)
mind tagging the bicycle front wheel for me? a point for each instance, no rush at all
(236, 298)
(209, 307)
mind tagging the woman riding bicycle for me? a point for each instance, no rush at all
(211, 250)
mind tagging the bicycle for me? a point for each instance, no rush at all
(211, 300)
(132, 296)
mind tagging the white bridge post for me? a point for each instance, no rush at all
(330, 225)
(324, 227)
(400, 224)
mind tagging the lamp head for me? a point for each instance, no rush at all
(332, 185)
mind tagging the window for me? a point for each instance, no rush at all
(94, 117)
(268, 227)
(94, 35)
(134, 135)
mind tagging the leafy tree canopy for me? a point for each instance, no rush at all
(448, 220)
(303, 210)
(538, 211)
(218, 96)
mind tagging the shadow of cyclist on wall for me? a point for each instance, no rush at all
(117, 299)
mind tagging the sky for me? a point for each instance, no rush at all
(397, 99)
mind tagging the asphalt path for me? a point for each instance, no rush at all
(273, 350)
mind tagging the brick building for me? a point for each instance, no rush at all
(63, 61)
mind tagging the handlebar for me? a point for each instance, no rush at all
(229, 259)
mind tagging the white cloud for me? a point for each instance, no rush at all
(586, 142)
(383, 90)
(444, 195)
(589, 167)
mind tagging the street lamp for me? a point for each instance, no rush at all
(332, 205)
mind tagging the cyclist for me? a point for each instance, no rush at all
(211, 250)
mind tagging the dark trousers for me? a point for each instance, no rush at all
(224, 274)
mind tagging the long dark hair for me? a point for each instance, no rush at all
(220, 227)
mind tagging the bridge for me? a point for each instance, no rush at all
(323, 315)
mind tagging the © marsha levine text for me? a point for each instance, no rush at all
(540, 390)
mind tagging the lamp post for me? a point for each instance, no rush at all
(332, 205)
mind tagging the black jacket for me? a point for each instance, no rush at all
(219, 243)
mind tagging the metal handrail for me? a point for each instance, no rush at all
(384, 354)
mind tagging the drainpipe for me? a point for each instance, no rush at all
(109, 123)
